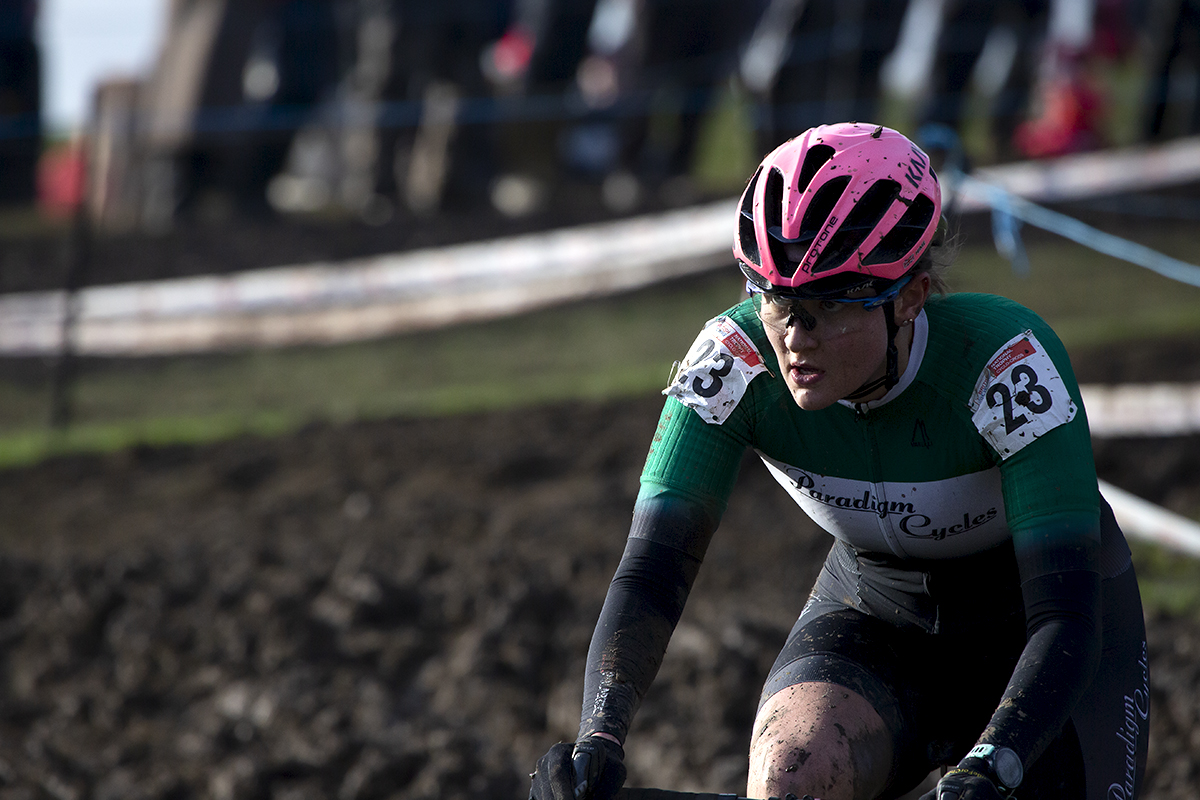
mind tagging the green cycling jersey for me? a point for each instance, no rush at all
(983, 438)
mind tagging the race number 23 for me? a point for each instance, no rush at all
(719, 366)
(1027, 393)
(1020, 396)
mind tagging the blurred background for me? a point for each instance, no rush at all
(332, 331)
(381, 111)
(145, 141)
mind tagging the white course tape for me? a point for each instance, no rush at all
(1144, 520)
(1084, 175)
(371, 297)
(385, 295)
(1150, 409)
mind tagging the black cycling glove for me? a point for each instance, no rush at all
(963, 783)
(591, 769)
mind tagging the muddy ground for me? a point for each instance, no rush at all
(401, 608)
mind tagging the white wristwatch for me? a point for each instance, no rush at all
(1005, 764)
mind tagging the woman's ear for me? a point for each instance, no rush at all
(912, 298)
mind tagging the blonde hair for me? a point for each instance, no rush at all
(936, 260)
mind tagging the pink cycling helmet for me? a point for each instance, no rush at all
(853, 200)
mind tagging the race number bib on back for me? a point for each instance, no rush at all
(1020, 396)
(713, 377)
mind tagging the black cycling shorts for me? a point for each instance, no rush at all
(936, 682)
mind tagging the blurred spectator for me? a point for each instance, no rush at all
(20, 102)
(1119, 25)
(828, 67)
(1069, 108)
(613, 98)
(233, 83)
(997, 43)
(681, 52)
(437, 82)
(1173, 62)
(1086, 40)
(61, 177)
(1070, 112)
(533, 67)
(293, 64)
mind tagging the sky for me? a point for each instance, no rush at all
(83, 41)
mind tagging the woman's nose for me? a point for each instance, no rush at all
(797, 337)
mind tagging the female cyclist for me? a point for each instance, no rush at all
(977, 610)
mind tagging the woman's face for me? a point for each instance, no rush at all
(828, 350)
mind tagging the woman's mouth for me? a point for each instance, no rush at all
(805, 375)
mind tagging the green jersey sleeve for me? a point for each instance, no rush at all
(708, 419)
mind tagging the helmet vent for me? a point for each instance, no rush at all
(746, 237)
(905, 235)
(773, 201)
(859, 223)
(871, 207)
(783, 265)
(773, 216)
(817, 156)
(819, 209)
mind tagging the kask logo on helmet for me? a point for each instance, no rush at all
(915, 173)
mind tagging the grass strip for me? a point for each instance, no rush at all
(609, 347)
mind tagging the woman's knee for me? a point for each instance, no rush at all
(820, 739)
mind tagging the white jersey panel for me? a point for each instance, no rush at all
(932, 519)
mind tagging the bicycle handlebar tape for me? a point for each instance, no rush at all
(668, 794)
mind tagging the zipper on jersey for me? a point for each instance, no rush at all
(878, 486)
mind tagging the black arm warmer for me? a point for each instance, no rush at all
(1062, 611)
(644, 603)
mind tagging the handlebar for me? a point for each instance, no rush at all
(667, 794)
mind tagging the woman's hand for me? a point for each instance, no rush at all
(964, 784)
(590, 769)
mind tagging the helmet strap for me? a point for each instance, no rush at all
(891, 374)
